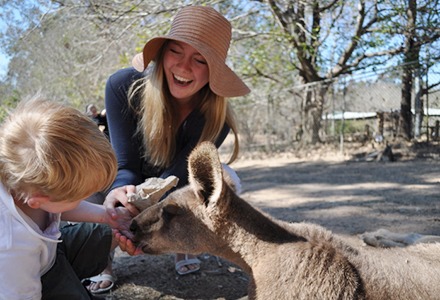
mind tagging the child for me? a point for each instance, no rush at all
(51, 157)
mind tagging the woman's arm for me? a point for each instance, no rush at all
(122, 123)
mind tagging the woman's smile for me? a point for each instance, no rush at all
(181, 80)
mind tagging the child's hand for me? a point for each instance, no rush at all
(126, 244)
(119, 218)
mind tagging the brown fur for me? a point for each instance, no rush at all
(283, 260)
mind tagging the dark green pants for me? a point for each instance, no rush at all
(83, 253)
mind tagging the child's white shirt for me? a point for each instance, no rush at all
(26, 252)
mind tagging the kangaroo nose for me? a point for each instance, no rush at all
(134, 226)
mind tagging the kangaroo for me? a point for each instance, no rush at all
(284, 260)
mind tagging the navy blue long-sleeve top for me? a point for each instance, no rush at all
(133, 167)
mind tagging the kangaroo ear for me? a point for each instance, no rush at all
(205, 172)
(231, 178)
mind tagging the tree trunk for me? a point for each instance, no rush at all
(405, 119)
(312, 108)
(411, 59)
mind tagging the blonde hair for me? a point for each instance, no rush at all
(158, 124)
(54, 150)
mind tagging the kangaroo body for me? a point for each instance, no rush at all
(284, 260)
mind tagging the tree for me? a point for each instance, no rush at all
(420, 21)
(291, 52)
(411, 63)
(66, 49)
(75, 45)
(330, 39)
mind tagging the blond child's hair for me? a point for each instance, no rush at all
(158, 118)
(51, 149)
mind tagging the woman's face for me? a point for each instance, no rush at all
(186, 70)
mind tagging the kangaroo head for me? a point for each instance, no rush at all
(185, 220)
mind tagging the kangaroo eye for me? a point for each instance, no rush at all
(167, 217)
(173, 208)
(169, 212)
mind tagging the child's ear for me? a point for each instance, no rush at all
(36, 201)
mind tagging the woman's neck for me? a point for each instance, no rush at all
(184, 109)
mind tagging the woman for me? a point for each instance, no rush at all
(157, 115)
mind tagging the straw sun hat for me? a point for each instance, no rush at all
(209, 33)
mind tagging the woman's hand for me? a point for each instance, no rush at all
(119, 196)
(125, 243)
(120, 219)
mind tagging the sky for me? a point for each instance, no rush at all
(4, 59)
(3, 64)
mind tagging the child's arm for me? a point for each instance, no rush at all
(95, 213)
(86, 212)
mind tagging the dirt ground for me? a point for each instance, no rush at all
(344, 192)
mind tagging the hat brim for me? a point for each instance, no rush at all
(222, 80)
